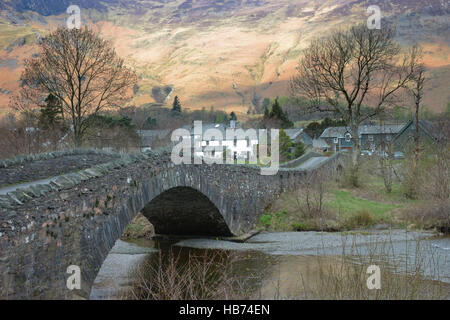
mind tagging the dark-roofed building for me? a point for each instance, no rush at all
(428, 132)
(320, 145)
(371, 137)
(297, 135)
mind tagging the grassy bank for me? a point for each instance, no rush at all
(342, 210)
(329, 204)
(138, 228)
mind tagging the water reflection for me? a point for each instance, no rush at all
(285, 266)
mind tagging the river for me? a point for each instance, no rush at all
(292, 265)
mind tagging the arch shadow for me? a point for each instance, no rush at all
(185, 211)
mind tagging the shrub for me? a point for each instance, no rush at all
(273, 220)
(431, 179)
(299, 226)
(266, 220)
(308, 225)
(349, 178)
(360, 219)
(310, 196)
(430, 216)
(208, 276)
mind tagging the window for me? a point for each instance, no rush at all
(370, 138)
(348, 137)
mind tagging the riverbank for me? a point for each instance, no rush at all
(330, 204)
(139, 228)
(114, 275)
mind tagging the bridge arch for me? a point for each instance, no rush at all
(185, 211)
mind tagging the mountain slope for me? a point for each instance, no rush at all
(220, 53)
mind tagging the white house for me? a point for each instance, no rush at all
(241, 145)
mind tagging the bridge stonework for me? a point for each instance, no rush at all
(79, 224)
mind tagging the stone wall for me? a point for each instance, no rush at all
(4, 163)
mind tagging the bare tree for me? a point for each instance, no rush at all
(416, 90)
(311, 194)
(386, 163)
(354, 73)
(83, 71)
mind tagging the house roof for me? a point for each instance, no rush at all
(339, 132)
(307, 140)
(438, 130)
(293, 133)
(320, 143)
(428, 127)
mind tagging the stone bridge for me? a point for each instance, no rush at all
(75, 218)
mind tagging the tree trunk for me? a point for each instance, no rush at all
(356, 153)
(416, 141)
(77, 136)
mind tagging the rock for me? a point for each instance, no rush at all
(14, 198)
(63, 183)
(64, 196)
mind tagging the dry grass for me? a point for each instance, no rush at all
(401, 278)
(406, 274)
(429, 215)
(206, 277)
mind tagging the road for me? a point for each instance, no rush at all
(312, 163)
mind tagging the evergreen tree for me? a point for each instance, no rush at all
(315, 129)
(266, 103)
(266, 113)
(299, 149)
(277, 113)
(233, 116)
(285, 144)
(176, 105)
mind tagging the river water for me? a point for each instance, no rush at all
(284, 265)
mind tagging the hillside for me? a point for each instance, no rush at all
(219, 53)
